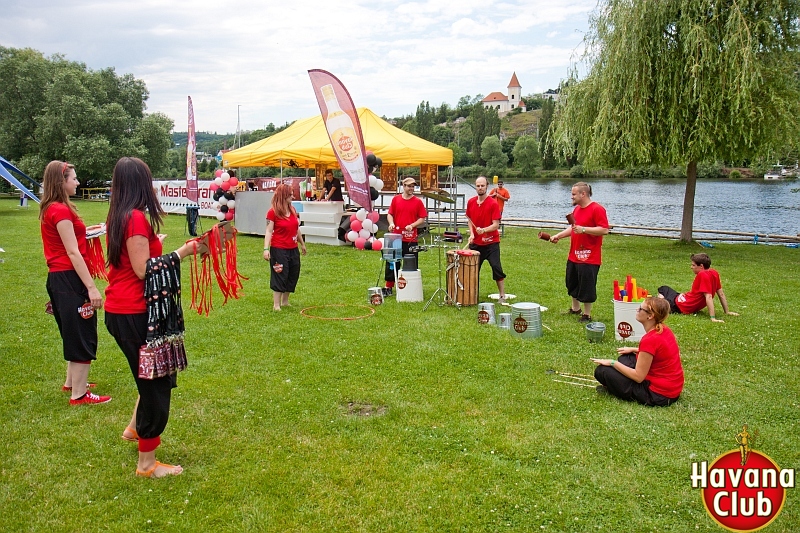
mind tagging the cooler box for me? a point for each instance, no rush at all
(626, 327)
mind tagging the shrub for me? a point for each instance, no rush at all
(735, 174)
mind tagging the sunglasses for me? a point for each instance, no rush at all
(648, 311)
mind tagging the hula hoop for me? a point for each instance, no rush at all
(308, 315)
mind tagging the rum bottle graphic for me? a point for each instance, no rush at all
(343, 136)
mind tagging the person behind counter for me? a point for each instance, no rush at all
(333, 188)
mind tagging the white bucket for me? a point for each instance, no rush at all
(504, 320)
(626, 327)
(375, 296)
(526, 320)
(409, 286)
(486, 313)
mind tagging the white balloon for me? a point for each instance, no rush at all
(367, 225)
(352, 236)
(216, 205)
(364, 234)
(220, 216)
(361, 214)
(372, 181)
(225, 176)
(223, 201)
(218, 181)
(379, 184)
(231, 204)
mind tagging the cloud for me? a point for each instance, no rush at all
(255, 55)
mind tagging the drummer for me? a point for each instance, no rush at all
(483, 215)
(406, 214)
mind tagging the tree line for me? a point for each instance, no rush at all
(51, 108)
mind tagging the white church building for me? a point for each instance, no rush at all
(504, 103)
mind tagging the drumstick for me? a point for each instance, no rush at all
(470, 226)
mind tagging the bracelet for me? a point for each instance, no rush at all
(266, 248)
(712, 316)
(612, 362)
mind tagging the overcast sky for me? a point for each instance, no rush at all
(390, 55)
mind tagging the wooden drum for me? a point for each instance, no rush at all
(462, 276)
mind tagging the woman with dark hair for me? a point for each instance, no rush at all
(132, 241)
(73, 294)
(280, 246)
(651, 374)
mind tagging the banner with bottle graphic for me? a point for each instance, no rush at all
(344, 132)
(191, 158)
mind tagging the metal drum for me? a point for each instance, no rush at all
(504, 320)
(486, 313)
(526, 320)
(462, 276)
(375, 296)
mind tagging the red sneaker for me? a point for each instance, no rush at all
(90, 397)
(88, 386)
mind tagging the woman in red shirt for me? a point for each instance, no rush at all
(280, 246)
(73, 294)
(131, 242)
(651, 374)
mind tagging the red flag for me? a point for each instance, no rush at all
(191, 158)
(344, 132)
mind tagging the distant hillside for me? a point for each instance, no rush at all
(521, 124)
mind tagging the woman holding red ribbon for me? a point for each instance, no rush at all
(73, 295)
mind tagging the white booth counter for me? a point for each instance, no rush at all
(320, 219)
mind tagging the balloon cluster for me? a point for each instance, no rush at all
(363, 227)
(375, 184)
(224, 187)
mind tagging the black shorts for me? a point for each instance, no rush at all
(670, 295)
(284, 269)
(78, 331)
(491, 253)
(581, 281)
(625, 388)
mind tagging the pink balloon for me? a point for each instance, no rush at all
(218, 173)
(226, 185)
(374, 216)
(213, 187)
(377, 244)
(229, 215)
(355, 225)
(360, 243)
(233, 181)
(353, 217)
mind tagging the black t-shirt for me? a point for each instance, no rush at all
(337, 195)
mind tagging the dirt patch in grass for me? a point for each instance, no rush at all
(364, 409)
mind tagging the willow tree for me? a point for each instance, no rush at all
(677, 82)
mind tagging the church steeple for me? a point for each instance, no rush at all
(514, 92)
(514, 81)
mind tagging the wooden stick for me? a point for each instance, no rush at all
(578, 379)
(576, 384)
(575, 375)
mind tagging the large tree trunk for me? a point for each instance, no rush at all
(688, 202)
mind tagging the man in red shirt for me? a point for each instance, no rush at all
(483, 215)
(705, 285)
(500, 194)
(406, 214)
(586, 241)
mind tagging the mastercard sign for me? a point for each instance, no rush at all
(742, 490)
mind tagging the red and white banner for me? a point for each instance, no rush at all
(344, 132)
(174, 197)
(191, 158)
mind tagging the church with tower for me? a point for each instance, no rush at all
(505, 103)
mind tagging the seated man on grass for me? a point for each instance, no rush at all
(706, 284)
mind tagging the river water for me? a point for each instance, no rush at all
(747, 206)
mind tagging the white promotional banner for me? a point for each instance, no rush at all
(173, 196)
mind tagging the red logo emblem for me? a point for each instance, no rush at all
(742, 490)
(86, 310)
(624, 330)
(345, 143)
(520, 324)
(401, 283)
(278, 268)
(483, 317)
(376, 299)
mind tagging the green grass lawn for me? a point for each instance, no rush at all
(467, 431)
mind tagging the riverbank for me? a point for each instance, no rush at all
(409, 420)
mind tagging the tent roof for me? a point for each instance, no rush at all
(306, 142)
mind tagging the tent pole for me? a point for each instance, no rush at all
(281, 168)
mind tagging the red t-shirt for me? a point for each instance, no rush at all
(706, 281)
(54, 252)
(666, 372)
(502, 195)
(405, 212)
(284, 234)
(125, 291)
(585, 248)
(484, 215)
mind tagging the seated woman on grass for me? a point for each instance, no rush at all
(651, 374)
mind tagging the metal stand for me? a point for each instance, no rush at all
(439, 294)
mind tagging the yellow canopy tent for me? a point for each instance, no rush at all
(306, 143)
